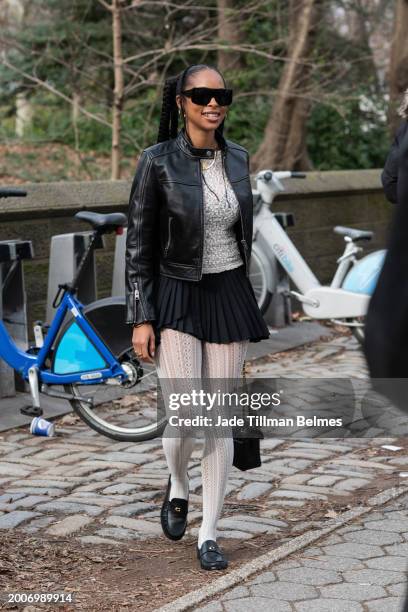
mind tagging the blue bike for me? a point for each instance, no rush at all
(97, 377)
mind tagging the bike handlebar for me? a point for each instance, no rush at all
(11, 192)
(298, 175)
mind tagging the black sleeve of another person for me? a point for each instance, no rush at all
(389, 176)
(386, 337)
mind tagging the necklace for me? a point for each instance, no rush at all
(223, 176)
(207, 165)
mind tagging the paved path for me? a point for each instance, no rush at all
(83, 484)
(359, 568)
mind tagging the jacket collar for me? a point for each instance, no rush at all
(188, 148)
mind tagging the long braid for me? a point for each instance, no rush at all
(168, 115)
(168, 127)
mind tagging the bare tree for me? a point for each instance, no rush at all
(283, 145)
(398, 74)
(360, 33)
(142, 40)
(230, 32)
(12, 15)
(118, 88)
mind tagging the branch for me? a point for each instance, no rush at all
(106, 5)
(210, 47)
(56, 92)
(184, 6)
(57, 60)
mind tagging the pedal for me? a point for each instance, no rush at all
(31, 411)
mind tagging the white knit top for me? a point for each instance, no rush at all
(220, 243)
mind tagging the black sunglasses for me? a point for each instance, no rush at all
(202, 95)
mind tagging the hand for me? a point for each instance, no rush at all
(143, 341)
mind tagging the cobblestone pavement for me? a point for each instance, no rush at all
(359, 568)
(339, 357)
(83, 484)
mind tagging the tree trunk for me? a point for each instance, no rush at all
(398, 75)
(24, 114)
(12, 12)
(359, 31)
(284, 142)
(118, 89)
(229, 32)
(76, 103)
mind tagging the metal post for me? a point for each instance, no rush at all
(13, 303)
(118, 280)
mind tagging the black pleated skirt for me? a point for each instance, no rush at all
(221, 307)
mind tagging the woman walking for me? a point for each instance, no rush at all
(188, 294)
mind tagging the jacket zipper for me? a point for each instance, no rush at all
(137, 298)
(202, 221)
(246, 257)
(169, 238)
(243, 241)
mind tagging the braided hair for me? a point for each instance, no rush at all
(173, 86)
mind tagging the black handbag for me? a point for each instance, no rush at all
(246, 443)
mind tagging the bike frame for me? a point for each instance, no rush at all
(319, 302)
(24, 363)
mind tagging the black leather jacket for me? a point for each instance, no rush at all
(389, 176)
(165, 231)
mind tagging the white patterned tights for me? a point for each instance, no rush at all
(183, 356)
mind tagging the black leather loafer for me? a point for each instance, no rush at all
(173, 515)
(211, 557)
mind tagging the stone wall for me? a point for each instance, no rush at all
(320, 202)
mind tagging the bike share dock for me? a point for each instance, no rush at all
(65, 255)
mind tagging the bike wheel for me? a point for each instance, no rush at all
(258, 279)
(126, 412)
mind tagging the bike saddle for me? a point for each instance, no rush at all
(105, 223)
(352, 233)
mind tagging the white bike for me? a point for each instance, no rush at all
(345, 300)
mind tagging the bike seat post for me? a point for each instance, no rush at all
(95, 240)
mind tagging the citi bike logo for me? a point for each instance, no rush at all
(283, 258)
